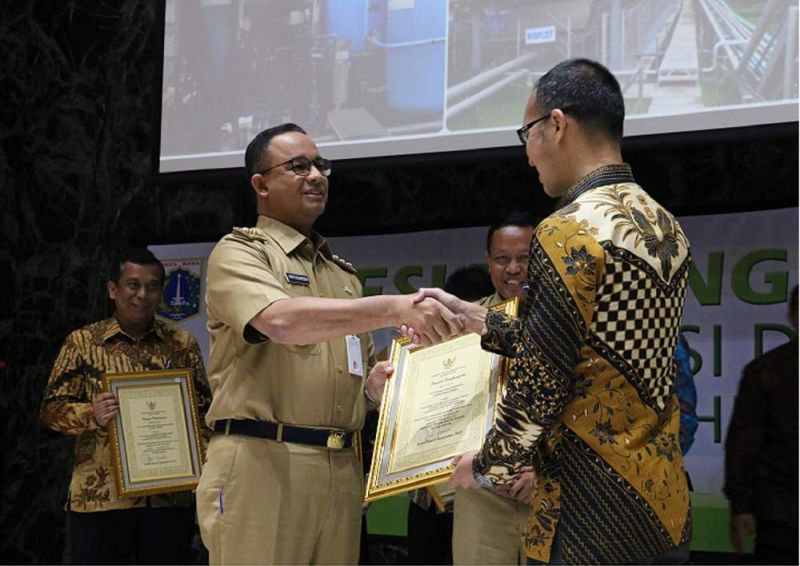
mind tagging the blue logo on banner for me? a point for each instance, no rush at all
(181, 295)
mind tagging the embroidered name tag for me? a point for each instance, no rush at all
(296, 279)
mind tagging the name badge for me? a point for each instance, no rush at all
(354, 360)
(297, 279)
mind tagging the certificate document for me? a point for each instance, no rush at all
(438, 404)
(154, 431)
(446, 392)
(155, 436)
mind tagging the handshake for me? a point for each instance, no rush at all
(431, 316)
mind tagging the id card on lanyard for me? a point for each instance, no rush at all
(355, 361)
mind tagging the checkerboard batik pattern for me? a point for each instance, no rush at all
(638, 317)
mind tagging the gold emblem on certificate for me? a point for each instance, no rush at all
(439, 403)
(155, 436)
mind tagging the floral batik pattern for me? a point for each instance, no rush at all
(75, 379)
(590, 390)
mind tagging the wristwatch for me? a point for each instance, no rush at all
(370, 399)
(483, 481)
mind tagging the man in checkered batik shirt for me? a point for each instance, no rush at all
(590, 392)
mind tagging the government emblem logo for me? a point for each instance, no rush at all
(181, 298)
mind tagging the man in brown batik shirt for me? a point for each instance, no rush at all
(104, 528)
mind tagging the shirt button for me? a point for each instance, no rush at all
(338, 408)
(340, 369)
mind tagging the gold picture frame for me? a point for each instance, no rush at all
(442, 495)
(439, 403)
(155, 435)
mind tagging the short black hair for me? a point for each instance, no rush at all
(469, 283)
(257, 148)
(139, 256)
(515, 218)
(590, 90)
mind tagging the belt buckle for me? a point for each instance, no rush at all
(335, 440)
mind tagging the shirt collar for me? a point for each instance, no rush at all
(600, 177)
(112, 329)
(290, 239)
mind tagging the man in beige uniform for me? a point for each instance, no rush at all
(488, 526)
(290, 351)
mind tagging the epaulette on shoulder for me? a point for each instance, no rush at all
(346, 265)
(250, 233)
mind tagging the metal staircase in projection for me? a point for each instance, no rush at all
(761, 57)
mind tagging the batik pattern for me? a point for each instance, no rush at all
(591, 385)
(75, 379)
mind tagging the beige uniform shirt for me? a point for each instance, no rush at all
(253, 378)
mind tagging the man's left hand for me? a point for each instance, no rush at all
(463, 475)
(376, 381)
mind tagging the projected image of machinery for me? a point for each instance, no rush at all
(672, 57)
(391, 77)
(342, 69)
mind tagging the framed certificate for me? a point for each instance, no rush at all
(439, 403)
(155, 436)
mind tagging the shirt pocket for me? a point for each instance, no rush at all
(303, 350)
(295, 288)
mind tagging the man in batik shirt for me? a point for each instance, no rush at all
(590, 391)
(103, 527)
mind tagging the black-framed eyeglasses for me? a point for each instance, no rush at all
(302, 166)
(522, 133)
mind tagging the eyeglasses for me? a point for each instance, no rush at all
(522, 133)
(302, 166)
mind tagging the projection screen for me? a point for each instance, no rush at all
(372, 78)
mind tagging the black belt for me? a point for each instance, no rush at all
(330, 438)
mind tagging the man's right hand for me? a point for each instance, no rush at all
(742, 527)
(471, 316)
(447, 299)
(104, 407)
(431, 320)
